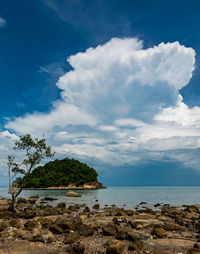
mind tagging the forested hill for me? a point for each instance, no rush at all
(60, 173)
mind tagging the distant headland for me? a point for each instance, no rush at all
(62, 174)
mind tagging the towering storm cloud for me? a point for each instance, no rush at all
(119, 102)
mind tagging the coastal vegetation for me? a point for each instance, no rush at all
(35, 151)
(60, 173)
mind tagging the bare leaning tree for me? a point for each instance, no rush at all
(35, 151)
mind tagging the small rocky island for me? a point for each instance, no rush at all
(63, 174)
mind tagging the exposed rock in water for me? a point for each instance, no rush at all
(61, 205)
(32, 200)
(22, 201)
(86, 209)
(96, 206)
(34, 196)
(72, 194)
(49, 199)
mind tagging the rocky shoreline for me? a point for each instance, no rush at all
(86, 186)
(77, 229)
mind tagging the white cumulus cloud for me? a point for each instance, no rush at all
(119, 103)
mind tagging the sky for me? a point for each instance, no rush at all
(112, 83)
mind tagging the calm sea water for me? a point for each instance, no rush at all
(120, 196)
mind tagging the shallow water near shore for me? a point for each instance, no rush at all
(121, 196)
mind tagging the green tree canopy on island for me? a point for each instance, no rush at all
(60, 173)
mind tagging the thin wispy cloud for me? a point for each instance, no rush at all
(43, 69)
(91, 18)
(2, 22)
(20, 105)
(54, 69)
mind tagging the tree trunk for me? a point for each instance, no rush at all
(12, 203)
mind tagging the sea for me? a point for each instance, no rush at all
(127, 197)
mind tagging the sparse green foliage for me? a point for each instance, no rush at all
(35, 151)
(39, 206)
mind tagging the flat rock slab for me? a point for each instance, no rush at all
(3, 204)
(24, 247)
(171, 243)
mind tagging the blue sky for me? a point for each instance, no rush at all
(112, 83)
